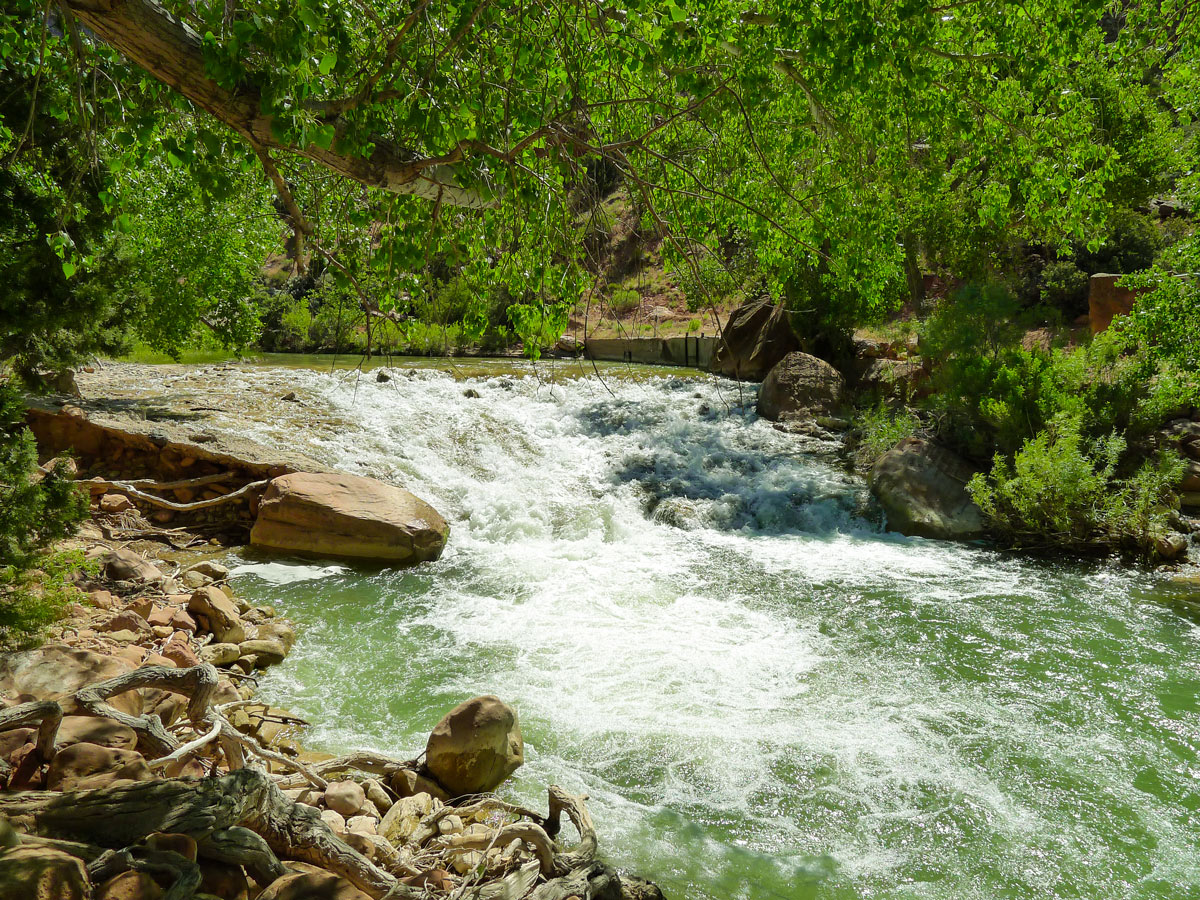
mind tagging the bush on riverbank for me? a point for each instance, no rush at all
(36, 509)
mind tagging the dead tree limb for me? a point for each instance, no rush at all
(47, 714)
(122, 487)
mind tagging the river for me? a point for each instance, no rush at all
(705, 627)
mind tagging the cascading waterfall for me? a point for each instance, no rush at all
(705, 627)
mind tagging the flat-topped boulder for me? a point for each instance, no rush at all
(338, 516)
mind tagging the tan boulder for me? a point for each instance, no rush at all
(86, 766)
(125, 565)
(923, 489)
(801, 386)
(348, 517)
(115, 503)
(278, 631)
(38, 873)
(49, 672)
(345, 797)
(756, 337)
(130, 886)
(475, 747)
(312, 886)
(407, 783)
(220, 654)
(97, 731)
(220, 614)
(266, 653)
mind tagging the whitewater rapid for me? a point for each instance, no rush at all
(704, 626)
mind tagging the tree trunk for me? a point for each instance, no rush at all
(169, 50)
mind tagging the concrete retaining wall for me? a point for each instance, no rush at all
(695, 352)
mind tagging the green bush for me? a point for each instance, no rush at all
(1065, 287)
(1062, 490)
(35, 511)
(881, 428)
(624, 300)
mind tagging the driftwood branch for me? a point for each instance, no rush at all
(128, 489)
(47, 714)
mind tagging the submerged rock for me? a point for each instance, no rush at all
(476, 746)
(801, 386)
(348, 517)
(923, 489)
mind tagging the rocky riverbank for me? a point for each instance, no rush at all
(136, 764)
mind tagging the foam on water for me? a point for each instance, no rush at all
(705, 627)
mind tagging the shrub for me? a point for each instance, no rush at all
(1062, 490)
(624, 300)
(1065, 287)
(34, 512)
(879, 430)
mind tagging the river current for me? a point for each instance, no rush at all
(705, 627)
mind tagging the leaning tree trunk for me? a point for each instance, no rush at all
(171, 51)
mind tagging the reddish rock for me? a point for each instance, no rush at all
(38, 873)
(115, 503)
(179, 651)
(125, 621)
(86, 766)
(173, 617)
(130, 886)
(95, 730)
(1107, 300)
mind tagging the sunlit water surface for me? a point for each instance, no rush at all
(704, 627)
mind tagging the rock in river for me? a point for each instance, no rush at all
(476, 746)
(800, 386)
(348, 517)
(923, 489)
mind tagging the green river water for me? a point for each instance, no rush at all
(704, 626)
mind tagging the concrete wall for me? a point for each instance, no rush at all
(695, 352)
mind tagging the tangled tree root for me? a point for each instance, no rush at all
(244, 818)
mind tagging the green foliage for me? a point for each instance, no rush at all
(31, 599)
(35, 511)
(1061, 489)
(624, 300)
(879, 429)
(1065, 287)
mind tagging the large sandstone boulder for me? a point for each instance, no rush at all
(312, 886)
(85, 766)
(923, 489)
(475, 747)
(49, 672)
(121, 564)
(219, 614)
(348, 517)
(756, 337)
(801, 386)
